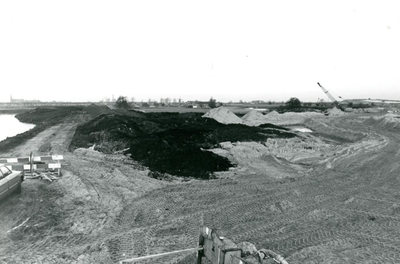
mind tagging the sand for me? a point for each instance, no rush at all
(223, 115)
(335, 112)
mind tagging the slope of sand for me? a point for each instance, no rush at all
(253, 118)
(223, 115)
(335, 112)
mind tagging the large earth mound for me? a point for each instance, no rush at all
(96, 110)
(390, 122)
(335, 112)
(223, 115)
(170, 142)
(254, 118)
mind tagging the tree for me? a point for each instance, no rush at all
(293, 103)
(212, 103)
(122, 102)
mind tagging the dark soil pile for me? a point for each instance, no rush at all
(48, 115)
(95, 110)
(172, 143)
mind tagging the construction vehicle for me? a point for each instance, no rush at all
(219, 250)
(334, 101)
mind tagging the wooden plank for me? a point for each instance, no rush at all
(27, 159)
(27, 167)
(14, 160)
(159, 255)
(48, 158)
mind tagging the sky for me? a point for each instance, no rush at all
(229, 50)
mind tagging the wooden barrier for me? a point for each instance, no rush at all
(35, 167)
(27, 167)
(28, 159)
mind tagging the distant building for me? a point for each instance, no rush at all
(257, 102)
(12, 100)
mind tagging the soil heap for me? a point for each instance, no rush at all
(335, 112)
(170, 143)
(390, 122)
(272, 114)
(289, 118)
(223, 115)
(254, 118)
(96, 110)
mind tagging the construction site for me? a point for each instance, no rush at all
(312, 187)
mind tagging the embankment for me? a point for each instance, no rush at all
(43, 118)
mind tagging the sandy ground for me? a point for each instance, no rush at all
(326, 197)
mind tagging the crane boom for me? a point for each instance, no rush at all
(328, 94)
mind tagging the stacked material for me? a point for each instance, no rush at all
(223, 115)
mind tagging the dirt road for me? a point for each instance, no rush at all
(64, 219)
(343, 207)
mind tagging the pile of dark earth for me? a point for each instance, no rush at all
(172, 143)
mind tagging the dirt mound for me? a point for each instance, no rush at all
(272, 114)
(333, 133)
(335, 112)
(169, 142)
(253, 118)
(390, 122)
(48, 115)
(258, 158)
(223, 115)
(253, 115)
(289, 118)
(96, 110)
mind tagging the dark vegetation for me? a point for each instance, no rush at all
(293, 103)
(170, 143)
(42, 118)
(122, 102)
(212, 103)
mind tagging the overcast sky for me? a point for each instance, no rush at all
(230, 50)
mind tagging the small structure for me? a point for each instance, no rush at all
(42, 167)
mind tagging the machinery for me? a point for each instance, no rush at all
(335, 102)
(220, 250)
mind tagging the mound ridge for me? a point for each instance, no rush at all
(254, 118)
(223, 115)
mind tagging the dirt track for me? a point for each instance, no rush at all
(343, 207)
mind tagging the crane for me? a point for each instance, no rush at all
(335, 102)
